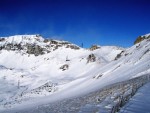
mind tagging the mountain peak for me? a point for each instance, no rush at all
(33, 44)
(17, 39)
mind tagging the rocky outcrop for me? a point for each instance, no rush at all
(91, 58)
(46, 40)
(119, 55)
(94, 47)
(72, 47)
(64, 67)
(12, 47)
(2, 39)
(33, 44)
(141, 38)
(35, 49)
(31, 49)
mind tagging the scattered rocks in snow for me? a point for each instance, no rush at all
(91, 58)
(64, 67)
(94, 47)
(119, 55)
(46, 59)
(126, 54)
(72, 47)
(98, 76)
(22, 76)
(67, 59)
(138, 46)
(45, 89)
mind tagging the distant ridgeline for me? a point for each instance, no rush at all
(141, 38)
(33, 44)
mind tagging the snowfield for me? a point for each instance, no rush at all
(35, 71)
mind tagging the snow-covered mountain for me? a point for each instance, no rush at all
(32, 44)
(36, 71)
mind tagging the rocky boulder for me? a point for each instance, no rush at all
(64, 67)
(119, 55)
(91, 58)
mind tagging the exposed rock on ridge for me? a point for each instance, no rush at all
(33, 44)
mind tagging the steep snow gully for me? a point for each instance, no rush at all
(40, 75)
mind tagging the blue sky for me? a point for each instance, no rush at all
(103, 22)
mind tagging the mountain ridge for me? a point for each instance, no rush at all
(33, 44)
(141, 38)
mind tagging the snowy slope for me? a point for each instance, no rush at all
(28, 80)
(23, 39)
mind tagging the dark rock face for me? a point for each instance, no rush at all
(141, 38)
(46, 40)
(72, 47)
(2, 39)
(35, 49)
(91, 58)
(119, 55)
(31, 49)
(18, 46)
(94, 47)
(12, 47)
(64, 67)
(54, 42)
(8, 46)
(1, 47)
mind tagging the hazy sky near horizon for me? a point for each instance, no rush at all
(103, 22)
